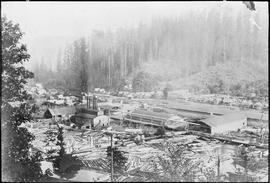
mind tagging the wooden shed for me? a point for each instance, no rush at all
(61, 112)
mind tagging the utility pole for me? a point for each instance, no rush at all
(111, 133)
(218, 166)
(122, 118)
(109, 113)
(112, 157)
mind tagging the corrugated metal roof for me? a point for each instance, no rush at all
(226, 118)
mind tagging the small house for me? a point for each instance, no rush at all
(49, 113)
(225, 123)
(90, 121)
(53, 91)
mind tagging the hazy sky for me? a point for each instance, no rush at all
(49, 25)
(78, 18)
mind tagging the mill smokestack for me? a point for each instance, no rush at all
(88, 102)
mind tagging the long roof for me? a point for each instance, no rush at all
(214, 121)
(151, 114)
(216, 109)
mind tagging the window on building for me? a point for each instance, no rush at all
(157, 121)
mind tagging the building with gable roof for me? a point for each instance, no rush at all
(225, 123)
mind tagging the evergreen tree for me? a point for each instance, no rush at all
(18, 163)
(227, 31)
(160, 132)
(59, 65)
(248, 162)
(65, 165)
(119, 160)
(83, 65)
(171, 165)
(50, 141)
(143, 82)
(166, 90)
(60, 141)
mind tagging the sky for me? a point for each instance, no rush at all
(48, 26)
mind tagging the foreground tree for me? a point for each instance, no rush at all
(65, 165)
(172, 165)
(246, 163)
(119, 160)
(18, 163)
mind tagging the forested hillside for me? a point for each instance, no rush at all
(191, 50)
